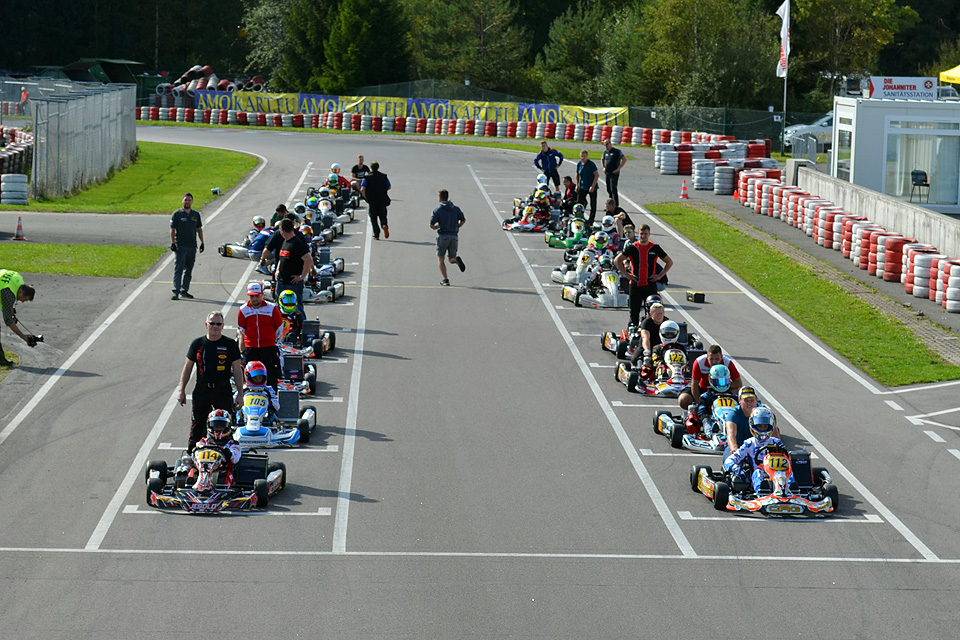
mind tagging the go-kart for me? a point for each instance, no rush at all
(579, 272)
(670, 376)
(539, 221)
(321, 259)
(604, 294)
(811, 492)
(624, 344)
(323, 289)
(202, 482)
(572, 235)
(238, 249)
(307, 339)
(709, 433)
(260, 427)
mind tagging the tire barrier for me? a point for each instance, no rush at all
(724, 181)
(13, 189)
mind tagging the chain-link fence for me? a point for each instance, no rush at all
(13, 90)
(81, 136)
(435, 90)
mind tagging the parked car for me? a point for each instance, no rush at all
(947, 93)
(822, 128)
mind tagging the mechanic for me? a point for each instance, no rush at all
(587, 178)
(257, 245)
(260, 324)
(644, 274)
(648, 328)
(278, 214)
(357, 174)
(701, 371)
(548, 160)
(220, 435)
(612, 161)
(569, 195)
(373, 189)
(294, 262)
(13, 290)
(185, 228)
(762, 430)
(255, 379)
(216, 357)
(629, 234)
(447, 219)
(611, 208)
(738, 420)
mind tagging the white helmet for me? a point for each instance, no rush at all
(669, 332)
(542, 179)
(609, 224)
(335, 168)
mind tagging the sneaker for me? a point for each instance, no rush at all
(6, 363)
(184, 294)
(376, 237)
(445, 282)
(175, 296)
(460, 264)
(386, 232)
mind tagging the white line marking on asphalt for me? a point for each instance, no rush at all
(350, 427)
(585, 335)
(332, 448)
(330, 399)
(956, 454)
(137, 510)
(893, 405)
(925, 387)
(597, 365)
(618, 403)
(685, 454)
(935, 436)
(869, 518)
(331, 361)
(935, 413)
(643, 474)
(56, 375)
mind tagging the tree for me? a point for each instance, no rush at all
(307, 27)
(571, 61)
(477, 39)
(843, 39)
(265, 33)
(367, 45)
(915, 47)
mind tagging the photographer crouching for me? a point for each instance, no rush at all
(13, 290)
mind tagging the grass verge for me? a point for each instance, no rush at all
(155, 182)
(109, 261)
(873, 341)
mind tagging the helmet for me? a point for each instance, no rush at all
(259, 222)
(312, 202)
(670, 332)
(219, 427)
(287, 301)
(761, 422)
(300, 208)
(651, 300)
(307, 230)
(608, 224)
(542, 179)
(600, 240)
(719, 377)
(606, 263)
(578, 210)
(326, 206)
(334, 168)
(529, 210)
(333, 181)
(324, 192)
(255, 373)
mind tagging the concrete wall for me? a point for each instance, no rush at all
(940, 230)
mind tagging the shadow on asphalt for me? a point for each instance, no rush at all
(376, 354)
(423, 244)
(49, 370)
(526, 292)
(372, 436)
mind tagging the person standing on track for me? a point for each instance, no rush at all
(613, 160)
(447, 219)
(548, 161)
(185, 228)
(260, 324)
(294, 262)
(13, 290)
(373, 189)
(216, 358)
(643, 274)
(587, 178)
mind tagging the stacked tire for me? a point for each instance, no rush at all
(13, 188)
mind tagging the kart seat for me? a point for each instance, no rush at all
(289, 405)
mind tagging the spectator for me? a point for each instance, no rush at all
(643, 273)
(358, 173)
(447, 219)
(279, 214)
(13, 290)
(294, 263)
(587, 177)
(613, 209)
(613, 161)
(569, 197)
(260, 324)
(548, 160)
(216, 358)
(373, 189)
(185, 228)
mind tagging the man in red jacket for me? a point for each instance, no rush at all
(260, 324)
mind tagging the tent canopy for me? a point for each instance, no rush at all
(950, 75)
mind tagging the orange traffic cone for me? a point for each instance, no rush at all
(19, 235)
(683, 191)
(736, 189)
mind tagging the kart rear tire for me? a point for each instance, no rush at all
(676, 435)
(262, 490)
(721, 495)
(317, 345)
(311, 379)
(279, 466)
(160, 466)
(303, 426)
(695, 476)
(656, 421)
(576, 299)
(632, 381)
(154, 485)
(831, 491)
(818, 474)
(333, 340)
(603, 340)
(622, 346)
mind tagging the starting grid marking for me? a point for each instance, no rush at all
(330, 448)
(869, 518)
(137, 510)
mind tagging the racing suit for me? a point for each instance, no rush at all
(656, 353)
(750, 452)
(231, 448)
(266, 390)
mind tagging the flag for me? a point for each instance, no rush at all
(784, 13)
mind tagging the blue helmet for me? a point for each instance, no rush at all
(720, 378)
(761, 422)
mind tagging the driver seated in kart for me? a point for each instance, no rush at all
(342, 182)
(255, 381)
(600, 242)
(609, 226)
(220, 436)
(292, 323)
(669, 332)
(747, 460)
(719, 385)
(594, 280)
(738, 419)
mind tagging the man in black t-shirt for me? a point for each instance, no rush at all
(216, 358)
(294, 263)
(357, 174)
(643, 273)
(613, 160)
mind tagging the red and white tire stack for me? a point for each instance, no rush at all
(876, 258)
(846, 238)
(924, 273)
(861, 246)
(950, 285)
(811, 207)
(892, 258)
(910, 253)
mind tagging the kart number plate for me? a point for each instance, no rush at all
(726, 403)
(785, 508)
(255, 401)
(778, 462)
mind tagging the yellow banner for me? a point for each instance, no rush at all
(595, 116)
(248, 101)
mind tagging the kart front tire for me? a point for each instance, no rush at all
(622, 349)
(311, 379)
(303, 426)
(317, 345)
(160, 466)
(676, 435)
(721, 495)
(656, 420)
(282, 468)
(154, 485)
(831, 491)
(695, 476)
(632, 380)
(262, 491)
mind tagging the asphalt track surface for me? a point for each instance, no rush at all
(479, 472)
